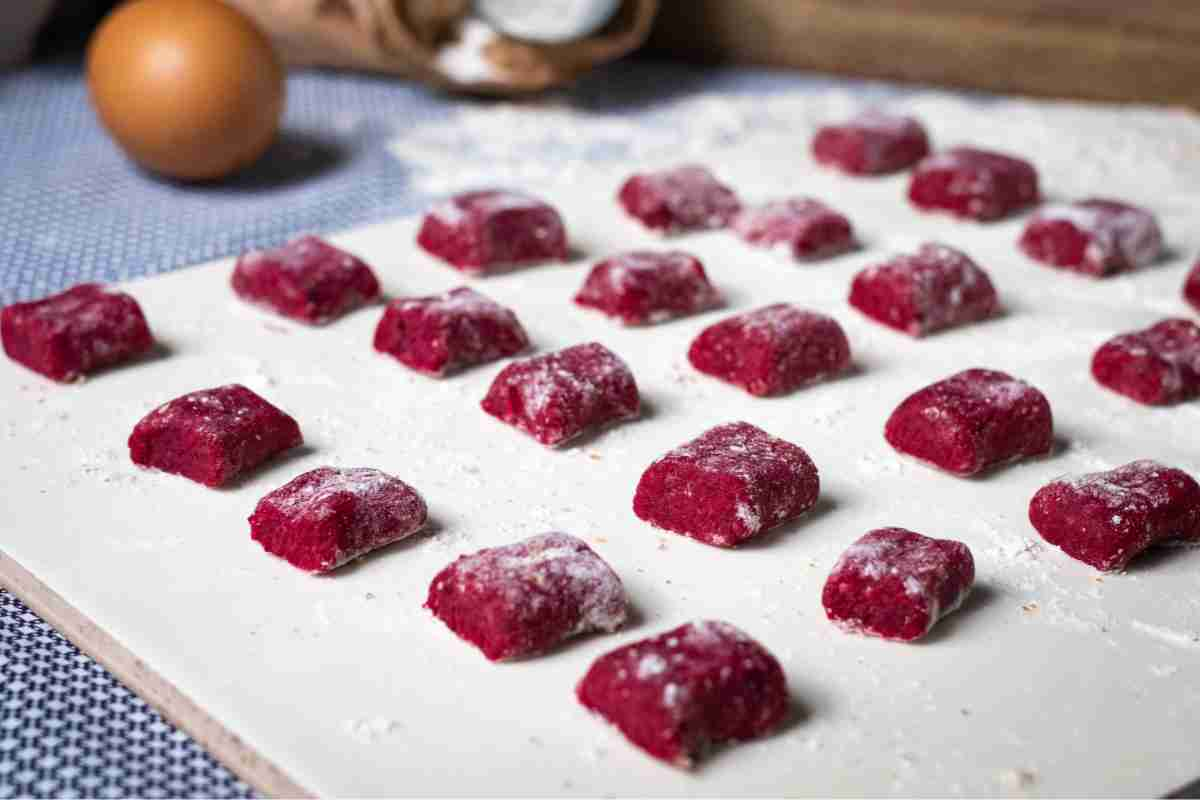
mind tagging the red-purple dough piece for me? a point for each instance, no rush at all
(70, 334)
(212, 436)
(873, 143)
(804, 228)
(680, 199)
(1156, 366)
(772, 350)
(558, 396)
(731, 483)
(524, 598)
(896, 584)
(1191, 287)
(447, 332)
(479, 232)
(938, 287)
(646, 286)
(675, 694)
(972, 421)
(1105, 519)
(329, 516)
(1094, 237)
(307, 279)
(973, 184)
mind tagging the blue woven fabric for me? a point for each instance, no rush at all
(73, 209)
(69, 729)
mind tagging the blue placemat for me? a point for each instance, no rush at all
(69, 729)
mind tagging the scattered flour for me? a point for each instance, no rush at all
(1177, 638)
(369, 730)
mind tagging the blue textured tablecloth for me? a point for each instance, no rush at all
(73, 209)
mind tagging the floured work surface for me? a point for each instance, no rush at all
(1051, 679)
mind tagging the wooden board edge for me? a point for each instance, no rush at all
(239, 757)
(965, 49)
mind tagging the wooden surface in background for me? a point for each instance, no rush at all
(1119, 50)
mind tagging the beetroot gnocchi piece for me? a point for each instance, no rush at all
(731, 483)
(479, 232)
(1105, 519)
(804, 228)
(76, 332)
(872, 143)
(212, 436)
(443, 333)
(772, 350)
(936, 288)
(307, 279)
(973, 184)
(896, 584)
(328, 516)
(1156, 366)
(971, 421)
(645, 286)
(675, 694)
(559, 396)
(1191, 287)
(524, 598)
(680, 199)
(1094, 237)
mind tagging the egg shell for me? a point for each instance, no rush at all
(191, 89)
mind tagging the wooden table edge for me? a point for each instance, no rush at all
(239, 757)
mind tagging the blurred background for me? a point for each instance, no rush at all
(1101, 49)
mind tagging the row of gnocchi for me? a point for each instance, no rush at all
(735, 481)
(767, 351)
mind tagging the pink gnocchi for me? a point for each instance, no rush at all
(896, 584)
(444, 333)
(936, 288)
(872, 143)
(485, 231)
(524, 598)
(676, 694)
(307, 279)
(974, 184)
(685, 198)
(971, 421)
(1191, 287)
(772, 350)
(728, 485)
(328, 516)
(560, 395)
(1156, 366)
(804, 228)
(212, 436)
(1105, 519)
(1094, 237)
(645, 286)
(73, 333)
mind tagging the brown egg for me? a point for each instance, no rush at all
(189, 88)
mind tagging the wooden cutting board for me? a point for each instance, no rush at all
(1143, 51)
